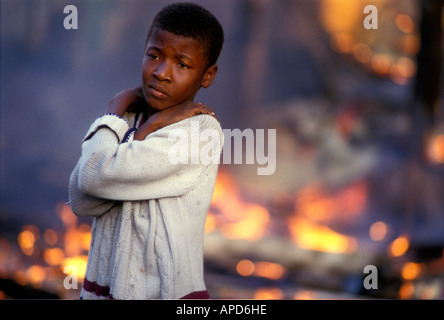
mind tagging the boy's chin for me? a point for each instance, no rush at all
(159, 107)
(156, 105)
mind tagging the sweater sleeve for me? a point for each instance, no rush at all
(85, 205)
(140, 170)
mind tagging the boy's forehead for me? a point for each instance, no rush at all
(184, 46)
(167, 38)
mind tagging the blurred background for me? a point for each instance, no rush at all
(360, 143)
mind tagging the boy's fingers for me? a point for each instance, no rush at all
(207, 110)
(210, 112)
(199, 108)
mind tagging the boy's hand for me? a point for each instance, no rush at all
(120, 103)
(171, 115)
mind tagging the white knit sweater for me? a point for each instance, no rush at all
(148, 230)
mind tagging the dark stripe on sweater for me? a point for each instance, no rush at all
(97, 289)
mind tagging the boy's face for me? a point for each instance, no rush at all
(173, 70)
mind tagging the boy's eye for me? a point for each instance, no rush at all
(183, 65)
(153, 56)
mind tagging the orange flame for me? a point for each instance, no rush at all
(304, 295)
(411, 270)
(264, 269)
(70, 252)
(315, 209)
(26, 241)
(53, 256)
(252, 225)
(310, 236)
(238, 219)
(35, 275)
(406, 290)
(435, 150)
(399, 246)
(77, 263)
(268, 294)
(314, 203)
(76, 241)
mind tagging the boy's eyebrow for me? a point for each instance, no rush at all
(178, 55)
(182, 56)
(153, 48)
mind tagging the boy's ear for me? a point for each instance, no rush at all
(209, 76)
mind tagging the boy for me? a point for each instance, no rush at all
(147, 234)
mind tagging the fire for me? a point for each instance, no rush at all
(304, 295)
(77, 241)
(405, 23)
(269, 270)
(210, 223)
(48, 253)
(35, 275)
(245, 268)
(411, 270)
(50, 237)
(20, 277)
(315, 209)
(381, 63)
(407, 290)
(378, 231)
(435, 149)
(78, 264)
(314, 203)
(268, 294)
(348, 11)
(262, 269)
(26, 240)
(251, 226)
(234, 217)
(54, 256)
(310, 236)
(399, 246)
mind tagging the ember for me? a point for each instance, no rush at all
(268, 294)
(44, 256)
(435, 149)
(263, 269)
(399, 246)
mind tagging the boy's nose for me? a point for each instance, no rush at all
(163, 72)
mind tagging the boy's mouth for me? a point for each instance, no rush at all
(157, 91)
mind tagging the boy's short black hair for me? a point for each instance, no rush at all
(191, 20)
